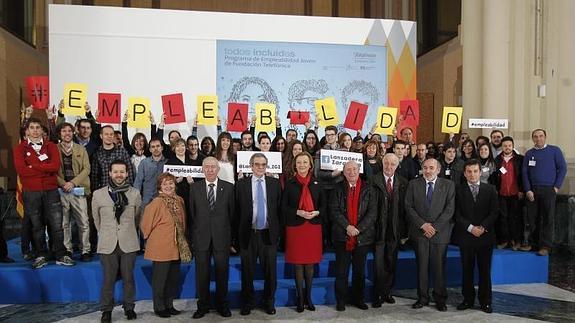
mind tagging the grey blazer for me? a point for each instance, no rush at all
(439, 214)
(110, 233)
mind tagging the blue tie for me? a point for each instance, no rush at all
(429, 192)
(261, 206)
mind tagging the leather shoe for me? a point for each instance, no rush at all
(130, 315)
(340, 307)
(163, 314)
(487, 308)
(376, 303)
(388, 299)
(225, 312)
(199, 314)
(245, 310)
(361, 306)
(106, 317)
(173, 311)
(441, 307)
(463, 306)
(270, 310)
(419, 304)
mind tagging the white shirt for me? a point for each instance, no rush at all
(255, 200)
(387, 178)
(215, 189)
(35, 146)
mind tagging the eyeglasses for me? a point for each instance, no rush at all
(260, 164)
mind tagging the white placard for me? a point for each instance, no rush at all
(274, 161)
(335, 159)
(184, 170)
(489, 123)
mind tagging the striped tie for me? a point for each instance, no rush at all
(211, 197)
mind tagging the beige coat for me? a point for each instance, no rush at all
(110, 233)
(159, 229)
(80, 165)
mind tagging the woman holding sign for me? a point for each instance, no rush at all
(180, 158)
(302, 207)
(226, 159)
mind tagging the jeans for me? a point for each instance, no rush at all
(78, 208)
(43, 208)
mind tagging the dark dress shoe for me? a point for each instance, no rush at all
(173, 311)
(106, 317)
(376, 303)
(270, 310)
(388, 299)
(86, 257)
(464, 305)
(299, 308)
(245, 311)
(130, 315)
(340, 307)
(163, 314)
(225, 312)
(361, 306)
(6, 260)
(199, 314)
(419, 304)
(441, 307)
(487, 308)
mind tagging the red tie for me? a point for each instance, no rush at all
(389, 187)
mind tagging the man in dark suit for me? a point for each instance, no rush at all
(475, 214)
(211, 213)
(258, 198)
(407, 168)
(429, 205)
(390, 228)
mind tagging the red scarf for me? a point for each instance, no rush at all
(305, 199)
(352, 207)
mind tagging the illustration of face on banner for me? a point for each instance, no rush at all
(139, 113)
(173, 107)
(298, 117)
(207, 110)
(38, 91)
(75, 97)
(266, 117)
(237, 117)
(326, 112)
(409, 111)
(451, 120)
(386, 118)
(355, 116)
(109, 107)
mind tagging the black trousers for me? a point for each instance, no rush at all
(165, 283)
(260, 247)
(110, 264)
(540, 216)
(44, 208)
(221, 261)
(385, 264)
(469, 257)
(3, 246)
(343, 259)
(509, 225)
(430, 255)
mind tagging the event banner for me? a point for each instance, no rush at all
(336, 159)
(274, 161)
(293, 76)
(184, 170)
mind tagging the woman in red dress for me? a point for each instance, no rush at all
(302, 209)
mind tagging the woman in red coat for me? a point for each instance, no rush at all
(302, 209)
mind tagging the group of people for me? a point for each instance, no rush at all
(405, 195)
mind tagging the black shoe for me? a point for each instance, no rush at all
(464, 305)
(376, 303)
(340, 307)
(441, 307)
(225, 312)
(173, 311)
(487, 309)
(163, 314)
(130, 315)
(361, 305)
(199, 314)
(309, 304)
(245, 310)
(388, 299)
(29, 257)
(106, 317)
(270, 310)
(6, 260)
(86, 257)
(419, 304)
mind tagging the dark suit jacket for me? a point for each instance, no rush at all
(207, 226)
(482, 212)
(439, 214)
(290, 202)
(244, 203)
(390, 215)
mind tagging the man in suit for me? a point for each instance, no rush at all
(211, 215)
(475, 214)
(407, 168)
(258, 198)
(116, 210)
(429, 205)
(390, 228)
